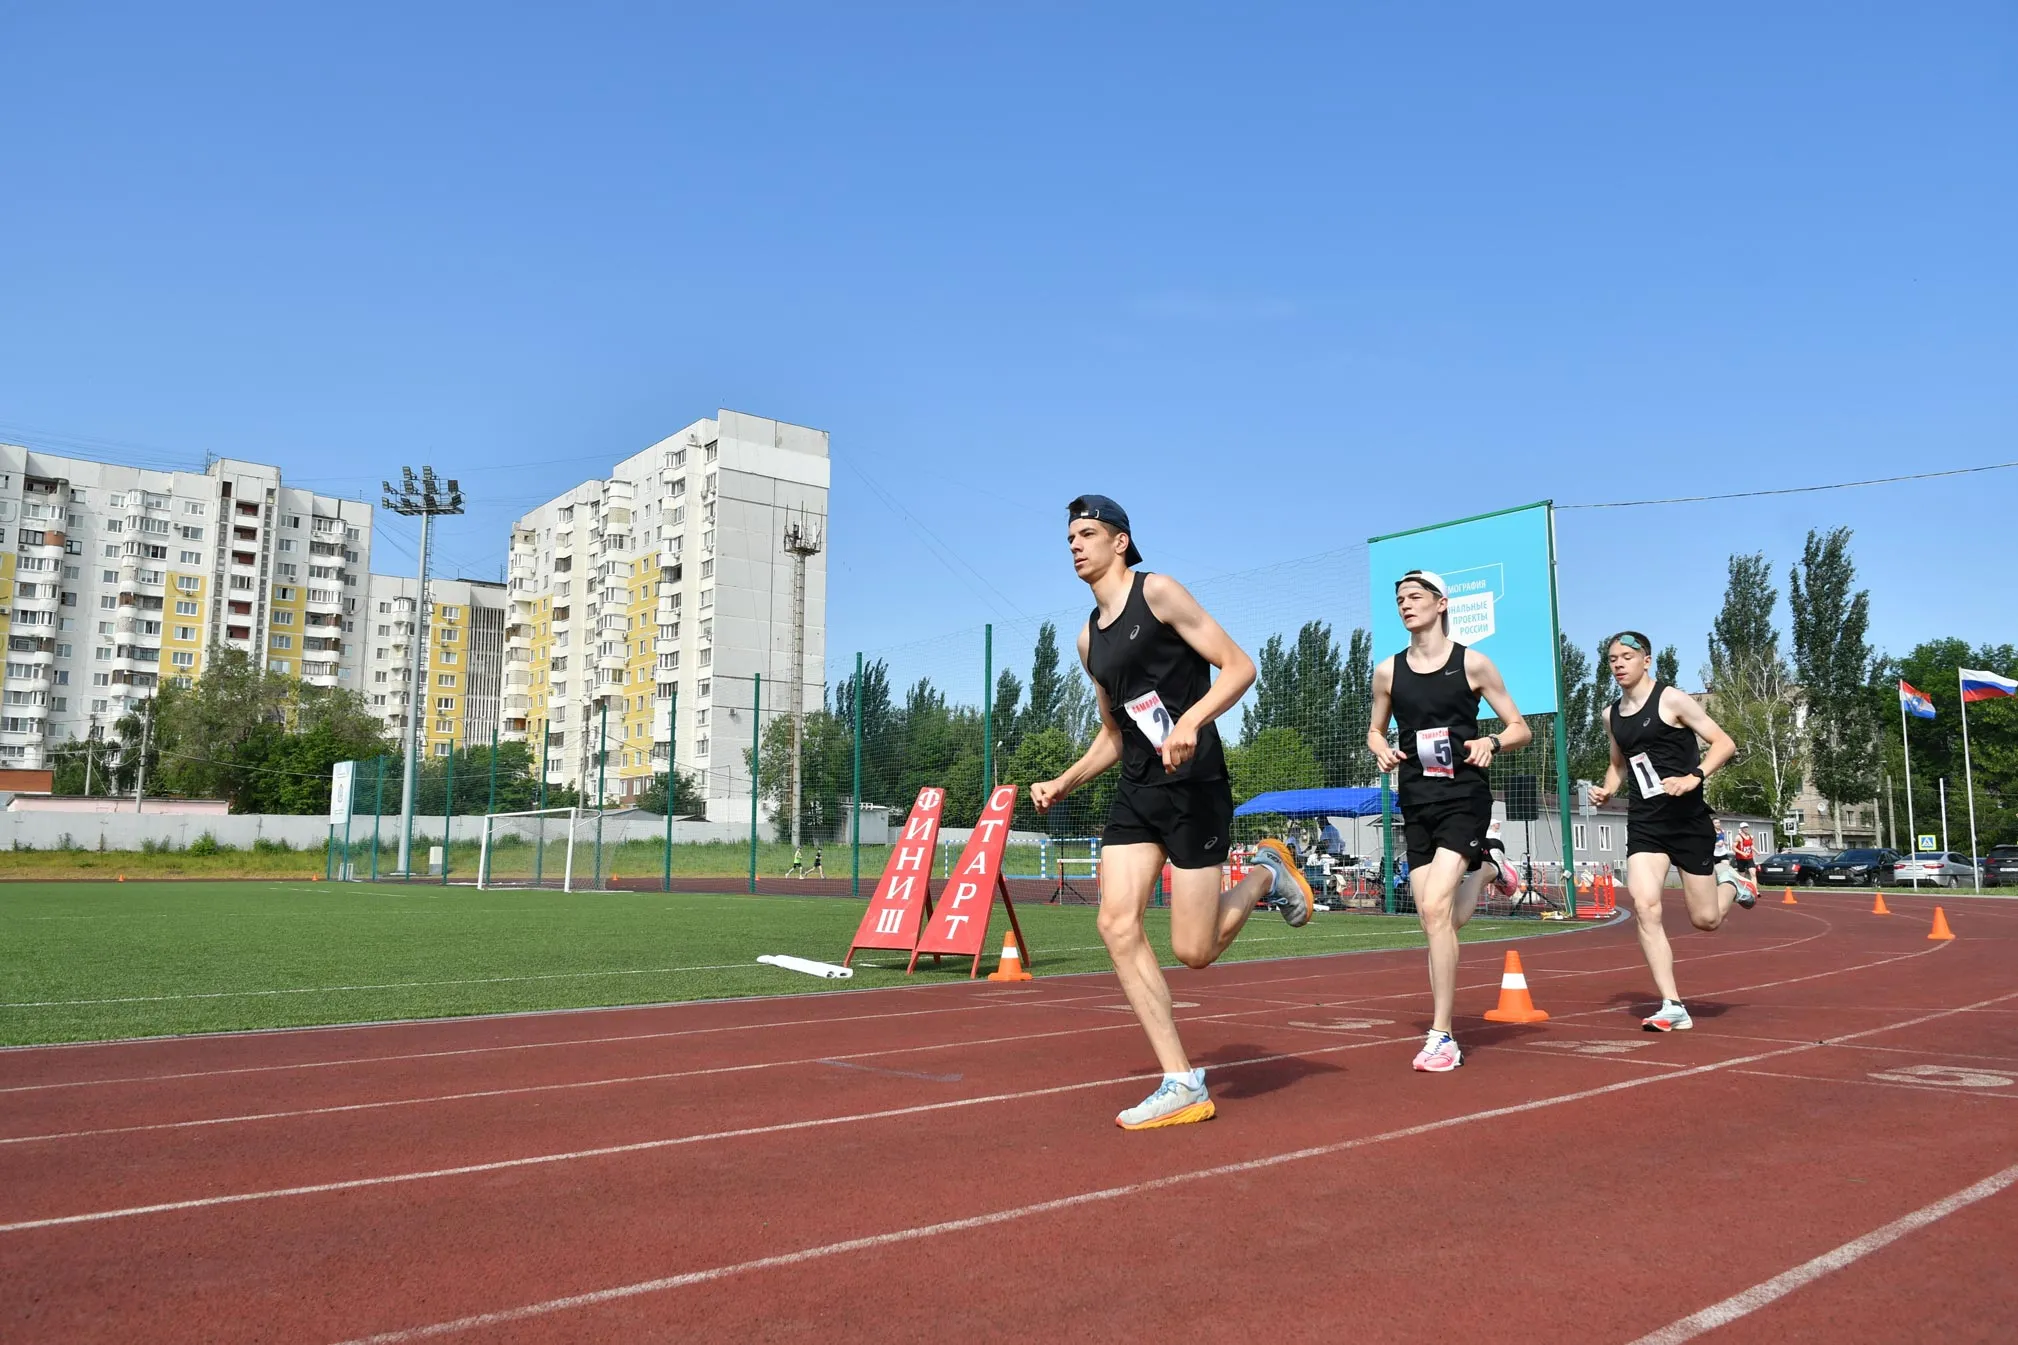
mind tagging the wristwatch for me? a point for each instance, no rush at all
(1494, 740)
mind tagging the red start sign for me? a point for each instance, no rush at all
(960, 925)
(902, 900)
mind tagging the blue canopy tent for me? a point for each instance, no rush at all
(1343, 802)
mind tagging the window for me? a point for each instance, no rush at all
(282, 642)
(185, 609)
(283, 618)
(449, 636)
(284, 544)
(707, 569)
(705, 689)
(1604, 836)
(242, 582)
(708, 454)
(444, 679)
(287, 569)
(117, 501)
(444, 705)
(443, 749)
(381, 676)
(102, 679)
(111, 551)
(451, 613)
(185, 632)
(701, 717)
(183, 658)
(106, 601)
(188, 583)
(1577, 841)
(190, 558)
(192, 507)
(708, 657)
(283, 595)
(290, 520)
(279, 665)
(700, 747)
(448, 656)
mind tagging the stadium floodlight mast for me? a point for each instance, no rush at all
(426, 497)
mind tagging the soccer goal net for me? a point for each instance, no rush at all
(541, 847)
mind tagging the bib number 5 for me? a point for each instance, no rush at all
(1436, 752)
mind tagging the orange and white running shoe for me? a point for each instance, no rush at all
(1671, 1018)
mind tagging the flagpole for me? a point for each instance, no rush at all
(1969, 781)
(1912, 827)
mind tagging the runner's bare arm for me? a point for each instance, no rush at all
(1484, 674)
(1101, 753)
(1689, 713)
(1171, 604)
(1383, 751)
(1601, 793)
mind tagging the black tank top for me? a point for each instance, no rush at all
(1151, 677)
(1655, 750)
(1433, 768)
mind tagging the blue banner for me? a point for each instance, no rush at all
(1501, 577)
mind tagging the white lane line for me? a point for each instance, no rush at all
(341, 1108)
(879, 1240)
(676, 1141)
(1887, 1083)
(388, 985)
(1760, 1295)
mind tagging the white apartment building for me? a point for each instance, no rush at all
(462, 653)
(666, 583)
(113, 577)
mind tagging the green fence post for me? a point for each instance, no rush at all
(673, 767)
(987, 709)
(756, 756)
(855, 830)
(447, 811)
(377, 816)
(540, 832)
(1389, 898)
(1562, 740)
(602, 782)
(329, 853)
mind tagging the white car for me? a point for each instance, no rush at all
(1935, 868)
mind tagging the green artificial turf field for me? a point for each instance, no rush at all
(87, 961)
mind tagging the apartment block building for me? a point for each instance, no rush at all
(666, 584)
(114, 577)
(462, 656)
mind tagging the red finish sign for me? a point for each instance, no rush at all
(903, 898)
(960, 925)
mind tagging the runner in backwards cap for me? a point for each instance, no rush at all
(1654, 728)
(1150, 650)
(1432, 690)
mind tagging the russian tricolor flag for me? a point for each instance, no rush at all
(1916, 702)
(1986, 686)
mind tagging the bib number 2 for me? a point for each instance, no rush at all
(1152, 717)
(1433, 748)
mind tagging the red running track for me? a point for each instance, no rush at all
(1828, 1156)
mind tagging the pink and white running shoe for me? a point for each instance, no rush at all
(1506, 879)
(1439, 1054)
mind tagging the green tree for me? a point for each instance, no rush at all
(1667, 665)
(1008, 697)
(1322, 694)
(1276, 758)
(1832, 660)
(1753, 696)
(1937, 743)
(1047, 682)
(1586, 697)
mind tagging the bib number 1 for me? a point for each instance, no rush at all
(1152, 717)
(1433, 748)
(1645, 776)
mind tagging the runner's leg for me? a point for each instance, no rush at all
(1438, 900)
(1646, 875)
(1709, 901)
(1204, 920)
(1128, 875)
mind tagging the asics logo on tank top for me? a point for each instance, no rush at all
(1134, 631)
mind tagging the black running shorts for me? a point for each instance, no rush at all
(1742, 865)
(1690, 846)
(1191, 819)
(1448, 824)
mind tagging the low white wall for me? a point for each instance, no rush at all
(125, 831)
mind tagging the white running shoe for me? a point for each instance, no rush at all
(1175, 1102)
(1439, 1054)
(1748, 891)
(1671, 1018)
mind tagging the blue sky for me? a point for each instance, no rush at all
(1279, 280)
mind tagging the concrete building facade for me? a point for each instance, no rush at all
(667, 584)
(114, 577)
(462, 653)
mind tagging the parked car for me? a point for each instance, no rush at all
(1935, 868)
(1860, 868)
(2000, 866)
(1794, 869)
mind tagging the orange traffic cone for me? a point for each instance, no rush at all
(1787, 898)
(1010, 968)
(1878, 907)
(1514, 1004)
(1941, 930)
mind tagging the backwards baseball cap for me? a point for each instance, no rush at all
(1429, 579)
(1103, 510)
